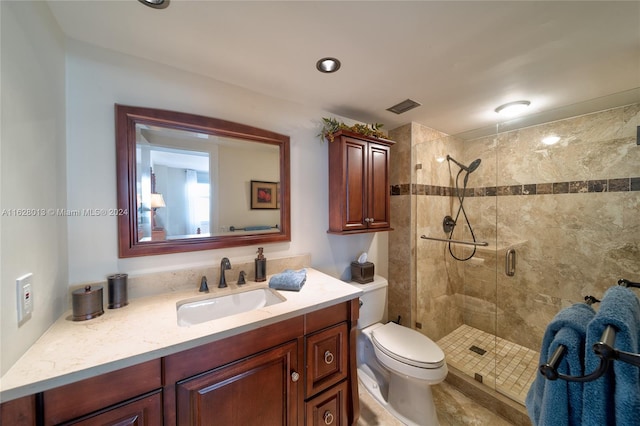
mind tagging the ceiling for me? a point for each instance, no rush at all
(459, 59)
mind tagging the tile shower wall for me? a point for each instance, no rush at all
(569, 210)
(401, 277)
(403, 246)
(578, 229)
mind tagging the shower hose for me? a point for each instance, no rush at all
(464, 213)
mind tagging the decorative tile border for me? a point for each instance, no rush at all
(573, 187)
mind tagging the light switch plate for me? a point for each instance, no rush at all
(24, 293)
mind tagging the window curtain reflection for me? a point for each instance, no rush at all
(192, 201)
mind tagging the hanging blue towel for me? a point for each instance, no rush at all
(288, 280)
(614, 398)
(558, 402)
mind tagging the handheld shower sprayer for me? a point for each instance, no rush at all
(472, 167)
(450, 223)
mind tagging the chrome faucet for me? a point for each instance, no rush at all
(224, 265)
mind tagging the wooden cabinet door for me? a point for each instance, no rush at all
(378, 204)
(355, 172)
(261, 389)
(19, 412)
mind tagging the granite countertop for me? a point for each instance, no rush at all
(147, 329)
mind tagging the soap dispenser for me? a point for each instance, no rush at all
(261, 266)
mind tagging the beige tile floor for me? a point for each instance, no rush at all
(452, 407)
(508, 367)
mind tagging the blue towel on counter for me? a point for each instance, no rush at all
(614, 398)
(558, 402)
(288, 280)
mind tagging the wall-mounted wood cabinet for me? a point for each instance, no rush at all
(358, 184)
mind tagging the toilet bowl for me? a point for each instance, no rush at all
(396, 365)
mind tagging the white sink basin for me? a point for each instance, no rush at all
(196, 311)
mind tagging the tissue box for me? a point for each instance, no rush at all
(362, 272)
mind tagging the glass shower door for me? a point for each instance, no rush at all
(456, 281)
(567, 203)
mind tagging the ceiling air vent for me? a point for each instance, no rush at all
(403, 106)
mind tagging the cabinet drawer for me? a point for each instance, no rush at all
(326, 356)
(87, 396)
(328, 408)
(143, 411)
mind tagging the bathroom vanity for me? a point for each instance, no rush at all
(287, 364)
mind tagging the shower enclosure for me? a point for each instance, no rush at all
(560, 217)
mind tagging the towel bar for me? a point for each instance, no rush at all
(253, 228)
(550, 372)
(448, 240)
(626, 283)
(603, 349)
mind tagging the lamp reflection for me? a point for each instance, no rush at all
(157, 231)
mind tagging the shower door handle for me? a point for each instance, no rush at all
(510, 263)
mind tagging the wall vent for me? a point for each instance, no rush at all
(404, 106)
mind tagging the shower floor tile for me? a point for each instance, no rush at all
(505, 366)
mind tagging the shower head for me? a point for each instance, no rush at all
(472, 167)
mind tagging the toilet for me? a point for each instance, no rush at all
(396, 365)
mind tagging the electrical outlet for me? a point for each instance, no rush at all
(24, 294)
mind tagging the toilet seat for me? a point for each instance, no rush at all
(407, 346)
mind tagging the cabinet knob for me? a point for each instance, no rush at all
(295, 376)
(327, 417)
(328, 357)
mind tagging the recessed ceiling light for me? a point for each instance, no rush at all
(156, 4)
(513, 108)
(328, 65)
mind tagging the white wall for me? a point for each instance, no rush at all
(33, 171)
(99, 78)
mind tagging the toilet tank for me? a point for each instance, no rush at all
(373, 302)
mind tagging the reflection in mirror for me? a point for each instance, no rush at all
(199, 183)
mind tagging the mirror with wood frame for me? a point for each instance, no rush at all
(188, 182)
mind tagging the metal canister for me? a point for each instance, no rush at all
(117, 291)
(87, 303)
